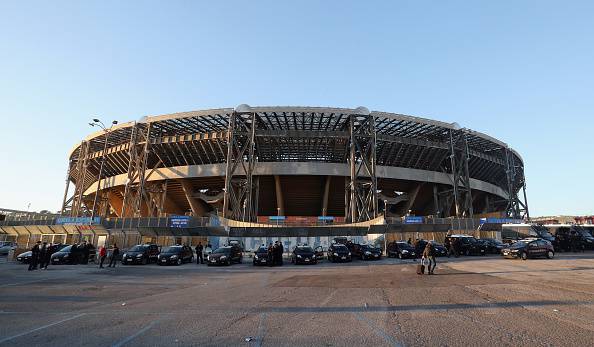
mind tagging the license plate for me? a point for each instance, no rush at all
(128, 259)
(306, 259)
(213, 261)
(163, 261)
(263, 260)
(343, 258)
(375, 255)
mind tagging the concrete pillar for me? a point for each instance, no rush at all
(198, 209)
(326, 194)
(280, 202)
(412, 196)
(116, 202)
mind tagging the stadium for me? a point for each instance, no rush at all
(261, 164)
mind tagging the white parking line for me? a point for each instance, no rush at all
(40, 328)
(140, 332)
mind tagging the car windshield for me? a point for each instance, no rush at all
(542, 231)
(583, 233)
(222, 250)
(340, 248)
(172, 249)
(66, 249)
(519, 244)
(137, 248)
(262, 250)
(402, 244)
(304, 249)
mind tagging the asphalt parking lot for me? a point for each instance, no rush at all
(470, 301)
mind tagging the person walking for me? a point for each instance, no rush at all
(199, 257)
(85, 252)
(270, 255)
(429, 254)
(102, 256)
(115, 251)
(34, 256)
(48, 255)
(281, 251)
(43, 250)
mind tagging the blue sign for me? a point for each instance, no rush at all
(500, 220)
(413, 220)
(77, 220)
(276, 218)
(326, 218)
(179, 221)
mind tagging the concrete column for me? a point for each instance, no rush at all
(115, 202)
(412, 196)
(326, 194)
(280, 202)
(197, 208)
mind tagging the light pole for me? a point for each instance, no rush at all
(99, 123)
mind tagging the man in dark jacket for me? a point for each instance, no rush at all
(115, 251)
(281, 250)
(199, 250)
(270, 255)
(34, 256)
(43, 251)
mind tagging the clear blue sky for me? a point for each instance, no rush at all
(521, 71)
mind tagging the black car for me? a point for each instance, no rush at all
(176, 255)
(338, 253)
(466, 245)
(369, 252)
(529, 248)
(492, 246)
(261, 256)
(141, 254)
(226, 255)
(573, 238)
(303, 255)
(72, 254)
(439, 249)
(401, 250)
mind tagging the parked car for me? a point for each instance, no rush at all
(72, 254)
(303, 255)
(338, 252)
(226, 255)
(355, 249)
(261, 256)
(572, 237)
(400, 249)
(176, 255)
(529, 248)
(369, 252)
(7, 246)
(466, 245)
(141, 254)
(440, 250)
(492, 246)
(319, 251)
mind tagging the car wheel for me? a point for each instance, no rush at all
(179, 262)
(467, 252)
(524, 256)
(399, 255)
(144, 261)
(240, 260)
(550, 254)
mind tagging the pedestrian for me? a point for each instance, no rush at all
(270, 255)
(199, 249)
(281, 251)
(409, 241)
(43, 250)
(115, 251)
(453, 247)
(48, 255)
(418, 249)
(429, 254)
(102, 256)
(85, 252)
(34, 256)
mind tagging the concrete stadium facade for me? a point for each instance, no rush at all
(247, 162)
